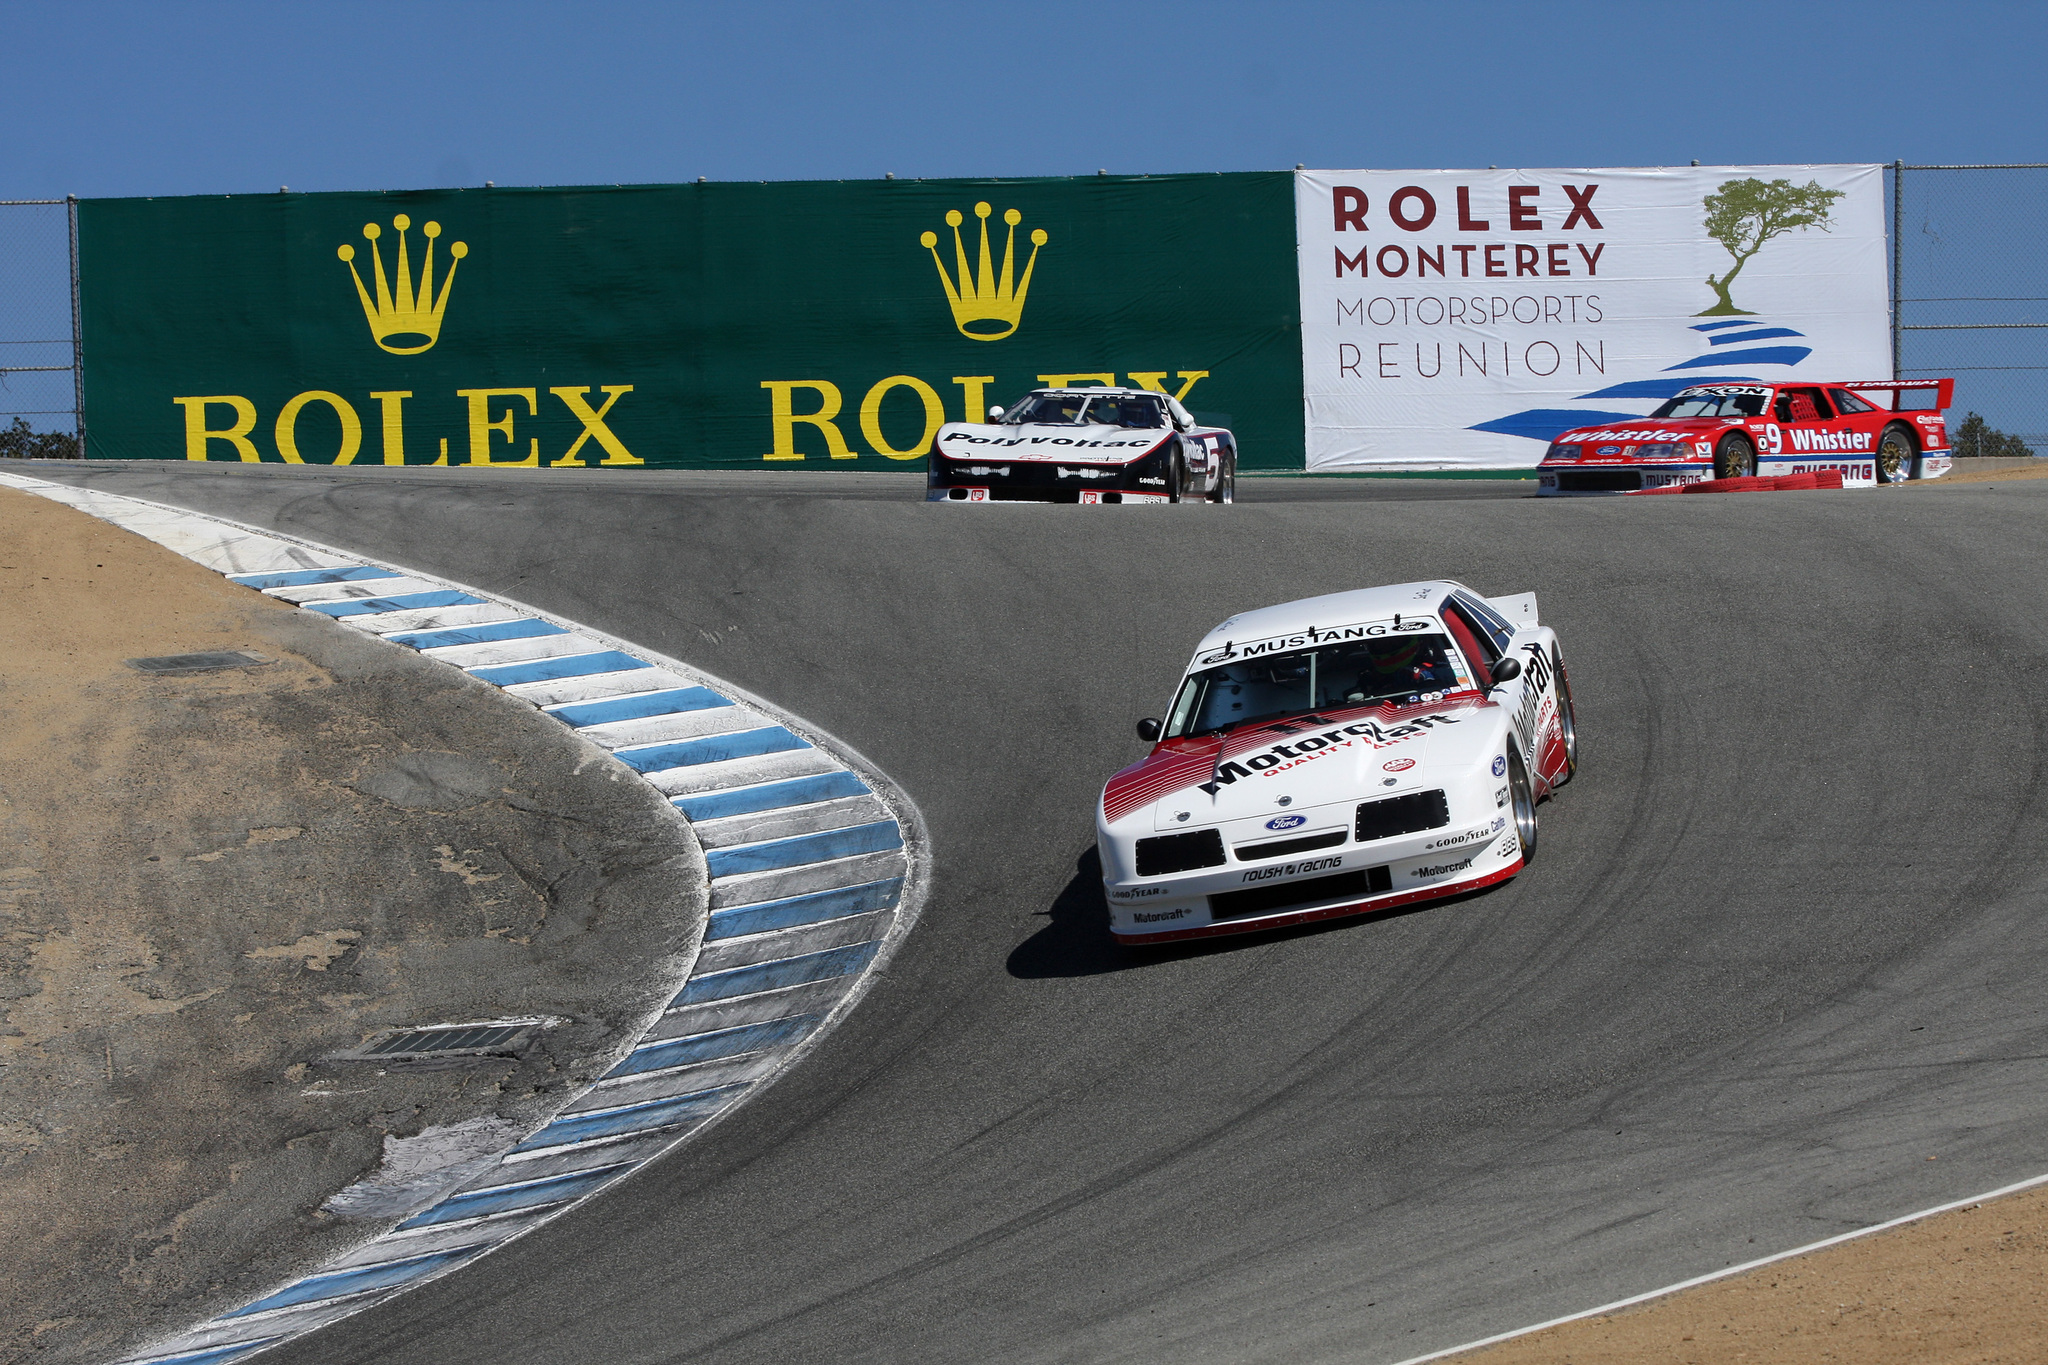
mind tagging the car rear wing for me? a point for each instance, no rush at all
(1910, 395)
(1520, 609)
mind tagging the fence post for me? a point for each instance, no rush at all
(77, 335)
(1898, 252)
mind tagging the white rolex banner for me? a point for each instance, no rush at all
(1460, 319)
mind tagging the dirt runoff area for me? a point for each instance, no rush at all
(1968, 1287)
(211, 883)
(1965, 471)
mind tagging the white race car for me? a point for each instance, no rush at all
(1090, 445)
(1337, 756)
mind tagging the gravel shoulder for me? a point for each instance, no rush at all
(1987, 471)
(212, 883)
(1960, 1288)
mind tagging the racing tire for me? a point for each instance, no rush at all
(1176, 475)
(1522, 805)
(1226, 482)
(1567, 721)
(1895, 455)
(1735, 457)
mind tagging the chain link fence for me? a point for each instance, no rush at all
(1971, 297)
(41, 390)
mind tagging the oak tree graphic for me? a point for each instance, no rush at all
(1744, 214)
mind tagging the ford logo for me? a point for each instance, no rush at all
(1399, 765)
(1608, 450)
(1286, 821)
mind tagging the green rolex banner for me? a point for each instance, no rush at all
(809, 325)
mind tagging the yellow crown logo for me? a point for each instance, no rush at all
(985, 298)
(402, 314)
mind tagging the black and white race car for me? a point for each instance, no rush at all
(1089, 445)
(1337, 756)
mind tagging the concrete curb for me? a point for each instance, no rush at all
(816, 864)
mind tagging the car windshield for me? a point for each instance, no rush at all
(1125, 410)
(1046, 409)
(1742, 403)
(1396, 668)
(1074, 409)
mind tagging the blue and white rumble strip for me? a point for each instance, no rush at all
(815, 864)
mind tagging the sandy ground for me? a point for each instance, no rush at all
(1963, 473)
(1968, 1287)
(210, 883)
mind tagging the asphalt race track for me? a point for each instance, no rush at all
(1782, 945)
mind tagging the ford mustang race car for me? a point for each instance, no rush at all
(1880, 432)
(1083, 445)
(1337, 756)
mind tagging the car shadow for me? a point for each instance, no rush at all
(1076, 940)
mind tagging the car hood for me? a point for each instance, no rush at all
(1646, 432)
(1047, 444)
(1310, 761)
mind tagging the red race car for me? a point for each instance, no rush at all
(1879, 432)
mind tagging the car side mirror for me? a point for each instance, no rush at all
(1148, 730)
(995, 414)
(1507, 670)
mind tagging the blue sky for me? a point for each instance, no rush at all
(108, 99)
(168, 98)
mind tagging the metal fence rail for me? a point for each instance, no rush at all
(1970, 291)
(42, 373)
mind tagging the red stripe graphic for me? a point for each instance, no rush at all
(1167, 770)
(1178, 764)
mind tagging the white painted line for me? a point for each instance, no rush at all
(510, 651)
(832, 874)
(740, 772)
(432, 618)
(305, 594)
(779, 822)
(709, 720)
(674, 1080)
(1742, 1269)
(597, 686)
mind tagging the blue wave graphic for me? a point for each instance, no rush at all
(1760, 334)
(1665, 388)
(1543, 424)
(1762, 355)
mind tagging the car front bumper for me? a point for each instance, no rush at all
(1238, 897)
(1196, 925)
(994, 479)
(1583, 480)
(1084, 496)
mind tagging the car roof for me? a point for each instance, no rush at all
(1332, 610)
(1099, 390)
(1798, 384)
